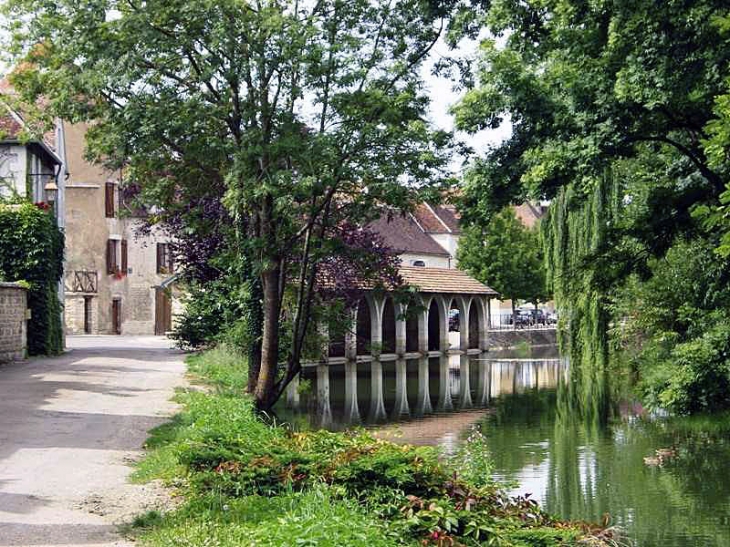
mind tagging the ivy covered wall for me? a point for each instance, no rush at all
(31, 250)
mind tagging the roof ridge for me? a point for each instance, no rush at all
(437, 216)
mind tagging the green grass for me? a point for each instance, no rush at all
(246, 482)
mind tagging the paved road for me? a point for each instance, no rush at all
(69, 427)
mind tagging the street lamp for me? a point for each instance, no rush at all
(51, 191)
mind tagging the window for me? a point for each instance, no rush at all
(111, 256)
(419, 263)
(164, 258)
(109, 199)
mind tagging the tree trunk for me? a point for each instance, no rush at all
(264, 392)
(514, 313)
(255, 325)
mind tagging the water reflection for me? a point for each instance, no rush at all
(557, 435)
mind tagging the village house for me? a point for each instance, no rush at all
(118, 280)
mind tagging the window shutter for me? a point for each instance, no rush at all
(160, 257)
(170, 260)
(124, 257)
(109, 199)
(110, 256)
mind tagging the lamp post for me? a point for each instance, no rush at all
(51, 191)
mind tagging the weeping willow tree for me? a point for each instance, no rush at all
(575, 232)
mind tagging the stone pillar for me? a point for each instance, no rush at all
(324, 410)
(377, 405)
(464, 310)
(485, 376)
(401, 409)
(323, 331)
(423, 331)
(484, 315)
(400, 329)
(445, 402)
(352, 412)
(377, 304)
(351, 335)
(292, 393)
(464, 383)
(443, 311)
(423, 406)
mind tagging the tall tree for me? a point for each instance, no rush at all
(307, 113)
(506, 255)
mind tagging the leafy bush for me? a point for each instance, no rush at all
(31, 250)
(696, 375)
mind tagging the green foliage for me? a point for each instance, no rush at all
(31, 250)
(248, 482)
(675, 329)
(506, 255)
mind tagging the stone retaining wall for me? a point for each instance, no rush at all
(13, 325)
(503, 339)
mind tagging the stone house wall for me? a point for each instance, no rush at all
(13, 310)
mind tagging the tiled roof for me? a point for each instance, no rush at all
(450, 216)
(443, 280)
(12, 122)
(403, 235)
(428, 220)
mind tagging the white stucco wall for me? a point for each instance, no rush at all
(432, 261)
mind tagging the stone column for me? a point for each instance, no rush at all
(400, 329)
(465, 383)
(351, 335)
(443, 311)
(401, 409)
(324, 410)
(464, 311)
(445, 402)
(423, 331)
(377, 405)
(352, 412)
(423, 406)
(376, 325)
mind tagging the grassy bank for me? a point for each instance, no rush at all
(245, 482)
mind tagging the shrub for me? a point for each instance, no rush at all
(31, 250)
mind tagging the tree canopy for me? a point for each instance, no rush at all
(506, 255)
(299, 115)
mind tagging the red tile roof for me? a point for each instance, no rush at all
(403, 235)
(443, 280)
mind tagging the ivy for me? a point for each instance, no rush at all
(31, 250)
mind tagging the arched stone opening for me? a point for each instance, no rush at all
(412, 329)
(476, 319)
(388, 327)
(364, 328)
(434, 326)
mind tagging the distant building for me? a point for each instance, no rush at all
(428, 237)
(117, 280)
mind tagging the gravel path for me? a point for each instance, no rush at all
(69, 428)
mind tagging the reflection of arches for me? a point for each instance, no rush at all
(388, 327)
(412, 329)
(476, 319)
(434, 326)
(364, 327)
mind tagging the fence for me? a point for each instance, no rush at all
(531, 320)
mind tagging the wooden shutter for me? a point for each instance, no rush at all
(109, 199)
(111, 257)
(124, 257)
(170, 262)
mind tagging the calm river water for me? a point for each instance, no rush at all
(576, 469)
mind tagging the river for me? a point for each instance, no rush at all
(576, 468)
